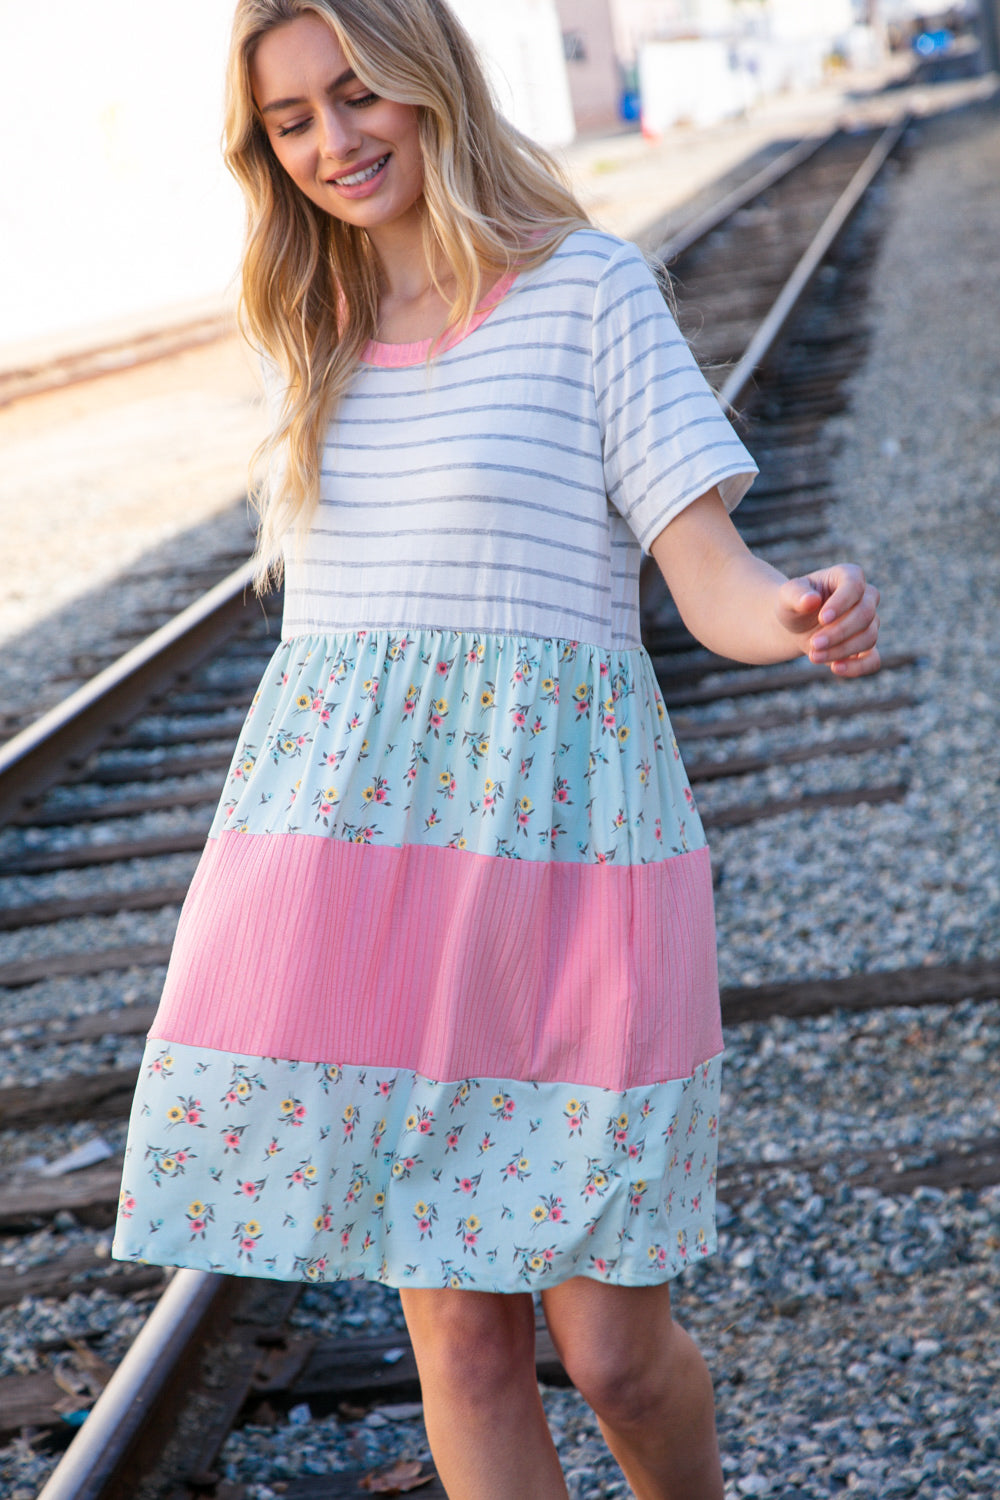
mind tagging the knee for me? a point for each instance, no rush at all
(473, 1344)
(625, 1384)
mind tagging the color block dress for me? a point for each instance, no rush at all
(442, 1008)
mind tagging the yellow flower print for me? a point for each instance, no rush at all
(486, 699)
(349, 1111)
(197, 1208)
(287, 1105)
(472, 1223)
(168, 1061)
(525, 804)
(288, 746)
(175, 1113)
(523, 1164)
(539, 1214)
(309, 1172)
(368, 793)
(483, 746)
(547, 685)
(303, 701)
(330, 794)
(318, 1222)
(456, 1282)
(536, 1262)
(168, 1164)
(497, 1101)
(420, 1209)
(600, 1180)
(397, 1169)
(580, 692)
(609, 704)
(379, 1200)
(412, 1122)
(488, 785)
(573, 1107)
(445, 778)
(441, 705)
(252, 1228)
(243, 1088)
(622, 1122)
(623, 734)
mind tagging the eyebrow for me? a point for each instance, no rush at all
(348, 76)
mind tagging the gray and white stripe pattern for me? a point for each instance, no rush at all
(508, 485)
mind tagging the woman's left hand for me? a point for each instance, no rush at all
(837, 609)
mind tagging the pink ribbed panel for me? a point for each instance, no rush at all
(453, 964)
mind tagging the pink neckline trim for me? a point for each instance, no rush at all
(376, 353)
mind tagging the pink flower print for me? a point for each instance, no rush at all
(682, 1243)
(231, 1140)
(451, 1140)
(658, 1254)
(349, 1119)
(345, 1236)
(316, 705)
(181, 1158)
(657, 831)
(231, 1097)
(519, 717)
(384, 1087)
(599, 1264)
(284, 679)
(537, 727)
(197, 1226)
(126, 1205)
(250, 1189)
(424, 1127)
(687, 1164)
(689, 797)
(272, 1148)
(486, 1144)
(246, 1245)
(324, 717)
(442, 669)
(466, 1184)
(560, 791)
(356, 721)
(604, 669)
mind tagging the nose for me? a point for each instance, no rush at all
(340, 135)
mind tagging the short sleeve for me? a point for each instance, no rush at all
(664, 435)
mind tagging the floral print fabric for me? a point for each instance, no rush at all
(515, 747)
(313, 1172)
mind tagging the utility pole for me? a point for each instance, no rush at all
(989, 33)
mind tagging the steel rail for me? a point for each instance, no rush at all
(34, 759)
(702, 225)
(93, 1464)
(764, 340)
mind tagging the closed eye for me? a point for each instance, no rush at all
(362, 101)
(295, 129)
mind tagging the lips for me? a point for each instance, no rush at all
(360, 175)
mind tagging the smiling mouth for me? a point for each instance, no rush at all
(355, 179)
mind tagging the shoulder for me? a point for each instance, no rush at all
(598, 275)
(585, 258)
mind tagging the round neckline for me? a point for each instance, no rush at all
(376, 352)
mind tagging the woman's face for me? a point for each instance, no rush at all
(354, 154)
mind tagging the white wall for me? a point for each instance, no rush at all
(115, 202)
(521, 42)
(115, 198)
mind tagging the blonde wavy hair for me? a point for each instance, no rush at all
(494, 200)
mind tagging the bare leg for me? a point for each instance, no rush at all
(646, 1382)
(487, 1430)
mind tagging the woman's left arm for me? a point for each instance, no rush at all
(739, 606)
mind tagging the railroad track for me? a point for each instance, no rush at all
(105, 803)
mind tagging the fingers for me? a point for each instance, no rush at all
(851, 635)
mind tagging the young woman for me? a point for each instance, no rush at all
(442, 1009)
